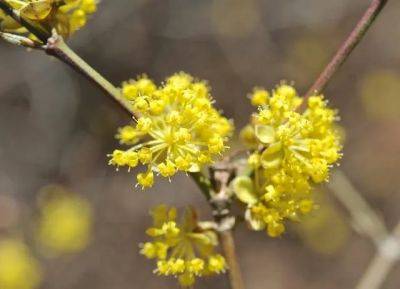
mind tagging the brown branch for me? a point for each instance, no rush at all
(228, 246)
(54, 45)
(59, 49)
(347, 47)
(220, 200)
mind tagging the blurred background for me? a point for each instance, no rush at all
(56, 129)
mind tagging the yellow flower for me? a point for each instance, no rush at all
(294, 151)
(182, 249)
(177, 129)
(18, 268)
(216, 264)
(65, 221)
(259, 96)
(65, 16)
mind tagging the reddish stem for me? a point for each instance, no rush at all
(347, 47)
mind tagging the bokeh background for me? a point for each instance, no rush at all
(56, 128)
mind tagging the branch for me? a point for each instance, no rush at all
(55, 46)
(387, 256)
(387, 244)
(36, 29)
(219, 197)
(203, 183)
(59, 49)
(347, 47)
(228, 246)
(364, 217)
(21, 40)
(221, 174)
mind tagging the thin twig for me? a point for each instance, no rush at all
(229, 248)
(347, 47)
(21, 41)
(33, 27)
(54, 45)
(59, 49)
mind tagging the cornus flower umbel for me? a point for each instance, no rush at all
(66, 16)
(178, 129)
(182, 249)
(292, 151)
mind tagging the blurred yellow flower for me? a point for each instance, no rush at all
(293, 150)
(18, 268)
(66, 16)
(325, 229)
(178, 129)
(65, 222)
(380, 94)
(183, 250)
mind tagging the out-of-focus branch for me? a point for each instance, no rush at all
(229, 248)
(364, 217)
(203, 183)
(384, 260)
(371, 225)
(347, 47)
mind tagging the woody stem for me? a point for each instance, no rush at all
(344, 51)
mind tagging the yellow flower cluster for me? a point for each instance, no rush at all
(178, 129)
(65, 221)
(182, 250)
(66, 16)
(292, 150)
(18, 268)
